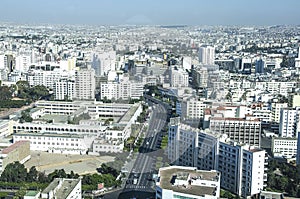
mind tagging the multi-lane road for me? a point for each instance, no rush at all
(144, 167)
(139, 183)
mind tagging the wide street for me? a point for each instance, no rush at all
(139, 183)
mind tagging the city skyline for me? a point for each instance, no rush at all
(117, 12)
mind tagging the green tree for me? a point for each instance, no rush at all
(25, 116)
(6, 93)
(14, 172)
(32, 175)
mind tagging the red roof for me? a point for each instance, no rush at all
(14, 146)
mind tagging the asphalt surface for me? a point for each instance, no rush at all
(139, 183)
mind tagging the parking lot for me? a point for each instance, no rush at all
(81, 164)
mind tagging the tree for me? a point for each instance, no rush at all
(6, 93)
(39, 91)
(229, 96)
(14, 172)
(32, 175)
(25, 116)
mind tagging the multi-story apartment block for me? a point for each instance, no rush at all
(85, 84)
(200, 77)
(238, 129)
(187, 182)
(289, 122)
(103, 62)
(242, 166)
(121, 90)
(276, 109)
(178, 77)
(45, 77)
(206, 55)
(284, 147)
(64, 90)
(193, 108)
(181, 143)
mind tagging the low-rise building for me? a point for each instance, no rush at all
(187, 182)
(63, 188)
(19, 151)
(284, 147)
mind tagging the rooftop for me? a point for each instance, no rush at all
(31, 193)
(13, 146)
(64, 187)
(169, 175)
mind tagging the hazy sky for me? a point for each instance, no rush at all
(154, 12)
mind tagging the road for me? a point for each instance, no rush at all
(139, 183)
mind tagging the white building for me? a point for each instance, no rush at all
(178, 77)
(289, 122)
(242, 166)
(64, 90)
(103, 62)
(284, 147)
(200, 76)
(193, 108)
(238, 129)
(46, 77)
(121, 90)
(63, 188)
(64, 143)
(207, 55)
(181, 143)
(187, 182)
(22, 63)
(85, 84)
(276, 110)
(5, 126)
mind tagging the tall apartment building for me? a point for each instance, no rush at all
(200, 77)
(259, 66)
(181, 143)
(207, 55)
(289, 122)
(85, 84)
(193, 108)
(64, 90)
(276, 109)
(187, 182)
(240, 130)
(178, 77)
(103, 62)
(22, 63)
(242, 166)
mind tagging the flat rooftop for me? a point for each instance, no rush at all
(65, 189)
(128, 115)
(48, 134)
(55, 118)
(168, 176)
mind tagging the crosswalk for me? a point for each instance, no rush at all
(131, 186)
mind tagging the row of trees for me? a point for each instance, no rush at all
(16, 176)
